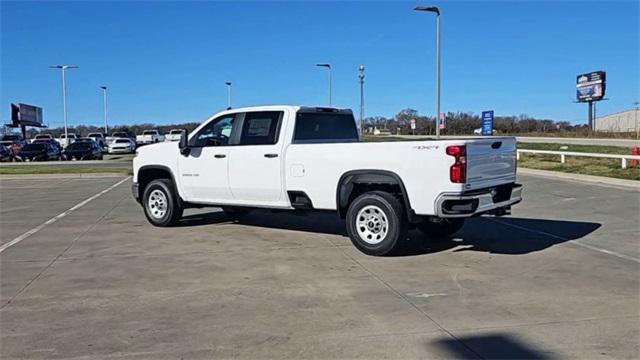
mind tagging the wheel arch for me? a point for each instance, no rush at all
(148, 173)
(369, 179)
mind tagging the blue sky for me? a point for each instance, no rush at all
(167, 62)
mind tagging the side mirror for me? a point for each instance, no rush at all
(183, 144)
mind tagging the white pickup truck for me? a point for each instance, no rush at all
(149, 137)
(308, 158)
(173, 135)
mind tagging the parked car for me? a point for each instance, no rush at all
(478, 131)
(6, 155)
(64, 142)
(173, 135)
(49, 141)
(307, 158)
(43, 137)
(120, 135)
(149, 137)
(41, 151)
(122, 146)
(86, 149)
(13, 142)
(99, 138)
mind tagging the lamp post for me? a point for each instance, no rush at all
(328, 66)
(361, 78)
(435, 9)
(104, 106)
(228, 83)
(636, 118)
(64, 67)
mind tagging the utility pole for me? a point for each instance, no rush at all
(104, 106)
(435, 10)
(328, 66)
(64, 67)
(636, 119)
(228, 83)
(361, 78)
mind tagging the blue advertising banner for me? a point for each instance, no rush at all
(487, 122)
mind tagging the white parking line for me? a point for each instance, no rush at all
(574, 242)
(59, 216)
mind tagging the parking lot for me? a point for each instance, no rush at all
(559, 278)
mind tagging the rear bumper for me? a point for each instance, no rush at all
(497, 200)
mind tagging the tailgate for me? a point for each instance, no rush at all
(491, 162)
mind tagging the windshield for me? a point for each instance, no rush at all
(120, 134)
(95, 135)
(79, 146)
(71, 136)
(175, 132)
(148, 132)
(122, 141)
(43, 137)
(10, 137)
(34, 147)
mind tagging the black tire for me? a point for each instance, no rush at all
(396, 222)
(440, 227)
(172, 205)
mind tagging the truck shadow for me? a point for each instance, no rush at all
(490, 346)
(505, 235)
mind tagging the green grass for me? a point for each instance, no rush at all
(52, 169)
(580, 165)
(599, 149)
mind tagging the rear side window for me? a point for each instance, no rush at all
(324, 127)
(261, 128)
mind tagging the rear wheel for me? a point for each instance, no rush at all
(439, 227)
(161, 205)
(376, 223)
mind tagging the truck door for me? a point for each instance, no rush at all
(204, 172)
(255, 170)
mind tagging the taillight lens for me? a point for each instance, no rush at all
(458, 171)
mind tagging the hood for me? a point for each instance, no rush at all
(157, 147)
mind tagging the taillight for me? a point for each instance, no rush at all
(458, 171)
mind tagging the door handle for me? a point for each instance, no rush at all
(219, 156)
(270, 155)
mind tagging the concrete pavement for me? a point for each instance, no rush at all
(557, 279)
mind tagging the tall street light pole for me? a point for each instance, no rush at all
(328, 66)
(228, 83)
(435, 9)
(361, 78)
(64, 67)
(104, 106)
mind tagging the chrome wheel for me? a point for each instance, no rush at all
(157, 204)
(372, 224)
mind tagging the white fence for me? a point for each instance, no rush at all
(564, 154)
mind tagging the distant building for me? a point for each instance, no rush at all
(620, 122)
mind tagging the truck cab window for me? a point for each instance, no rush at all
(261, 128)
(215, 133)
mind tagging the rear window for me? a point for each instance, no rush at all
(43, 137)
(120, 134)
(148, 133)
(32, 147)
(84, 145)
(324, 127)
(175, 132)
(122, 141)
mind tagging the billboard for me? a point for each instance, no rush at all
(591, 86)
(487, 122)
(24, 114)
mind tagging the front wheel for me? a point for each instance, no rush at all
(376, 223)
(439, 227)
(161, 204)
